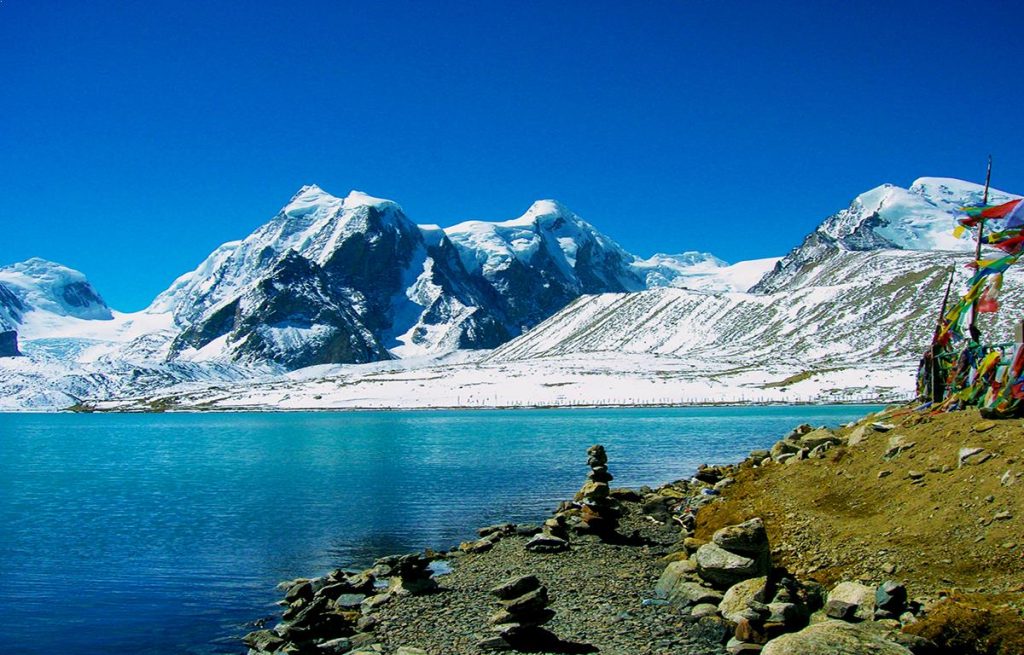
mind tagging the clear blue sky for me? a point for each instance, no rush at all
(136, 136)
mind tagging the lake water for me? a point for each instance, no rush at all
(166, 533)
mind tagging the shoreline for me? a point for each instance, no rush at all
(256, 409)
(681, 572)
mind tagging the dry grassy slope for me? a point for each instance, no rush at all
(834, 518)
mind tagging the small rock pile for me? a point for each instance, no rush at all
(804, 442)
(736, 553)
(318, 611)
(598, 512)
(524, 609)
(336, 613)
(409, 574)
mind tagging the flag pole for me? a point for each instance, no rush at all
(977, 247)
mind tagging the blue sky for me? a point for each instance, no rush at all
(137, 136)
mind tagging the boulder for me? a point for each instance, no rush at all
(689, 593)
(546, 543)
(723, 568)
(857, 436)
(832, 637)
(737, 596)
(818, 437)
(890, 600)
(851, 601)
(747, 538)
(674, 575)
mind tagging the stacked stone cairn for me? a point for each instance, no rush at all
(524, 609)
(598, 512)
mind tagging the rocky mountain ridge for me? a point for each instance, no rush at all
(352, 280)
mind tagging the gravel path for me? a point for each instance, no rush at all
(596, 590)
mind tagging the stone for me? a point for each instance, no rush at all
(750, 632)
(691, 544)
(501, 528)
(857, 436)
(915, 475)
(600, 474)
(688, 593)
(747, 538)
(832, 637)
(891, 597)
(1007, 479)
(675, 574)
(701, 610)
(593, 491)
(529, 602)
(1002, 516)
(336, 646)
(543, 543)
(983, 426)
(263, 640)
(409, 650)
(514, 587)
(373, 602)
(882, 427)
(851, 601)
(896, 446)
(966, 453)
(737, 647)
(738, 596)
(818, 437)
(784, 448)
(533, 617)
(884, 473)
(478, 546)
(300, 590)
(724, 569)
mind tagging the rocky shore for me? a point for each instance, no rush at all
(697, 566)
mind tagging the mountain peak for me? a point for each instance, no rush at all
(541, 211)
(48, 286)
(359, 199)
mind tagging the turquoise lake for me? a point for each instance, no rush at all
(166, 533)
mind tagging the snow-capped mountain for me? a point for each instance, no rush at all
(332, 281)
(329, 280)
(919, 218)
(542, 260)
(38, 285)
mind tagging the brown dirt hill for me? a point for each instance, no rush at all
(929, 522)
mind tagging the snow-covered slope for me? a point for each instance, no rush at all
(919, 218)
(702, 271)
(341, 287)
(40, 286)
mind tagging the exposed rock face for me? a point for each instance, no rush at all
(9, 344)
(293, 317)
